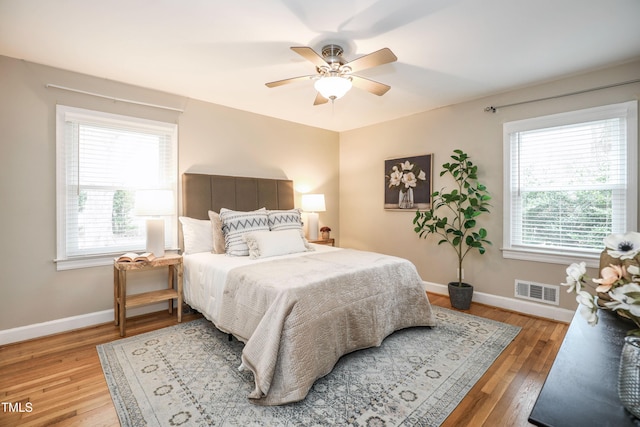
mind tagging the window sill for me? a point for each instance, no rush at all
(84, 262)
(564, 258)
(92, 261)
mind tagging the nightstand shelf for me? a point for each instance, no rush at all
(150, 297)
(122, 301)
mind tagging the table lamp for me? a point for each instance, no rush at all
(312, 204)
(154, 204)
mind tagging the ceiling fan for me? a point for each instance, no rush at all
(335, 75)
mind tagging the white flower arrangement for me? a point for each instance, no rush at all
(405, 175)
(618, 287)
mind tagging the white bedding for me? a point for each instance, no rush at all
(205, 275)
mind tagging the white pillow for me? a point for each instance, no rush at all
(196, 234)
(263, 244)
(237, 223)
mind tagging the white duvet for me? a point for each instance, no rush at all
(205, 275)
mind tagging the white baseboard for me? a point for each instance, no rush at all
(525, 307)
(38, 330)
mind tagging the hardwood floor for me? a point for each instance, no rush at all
(506, 393)
(61, 377)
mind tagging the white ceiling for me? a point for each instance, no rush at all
(225, 51)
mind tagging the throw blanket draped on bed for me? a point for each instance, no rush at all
(299, 316)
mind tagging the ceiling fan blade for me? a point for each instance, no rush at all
(287, 81)
(320, 99)
(310, 55)
(379, 57)
(370, 85)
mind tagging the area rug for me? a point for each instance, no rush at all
(187, 375)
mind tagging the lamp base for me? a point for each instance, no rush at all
(155, 236)
(312, 230)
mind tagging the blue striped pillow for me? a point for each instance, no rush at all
(236, 223)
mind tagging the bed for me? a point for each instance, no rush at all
(298, 307)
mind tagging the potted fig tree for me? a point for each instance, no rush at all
(453, 216)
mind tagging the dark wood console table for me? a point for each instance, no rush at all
(581, 389)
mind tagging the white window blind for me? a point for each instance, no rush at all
(103, 160)
(570, 181)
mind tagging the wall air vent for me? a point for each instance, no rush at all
(548, 294)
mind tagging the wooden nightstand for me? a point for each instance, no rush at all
(330, 242)
(120, 300)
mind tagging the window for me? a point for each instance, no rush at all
(102, 160)
(570, 180)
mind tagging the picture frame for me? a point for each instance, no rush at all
(408, 183)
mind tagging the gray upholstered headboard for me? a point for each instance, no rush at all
(202, 193)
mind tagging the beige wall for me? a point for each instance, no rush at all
(364, 224)
(212, 139)
(348, 168)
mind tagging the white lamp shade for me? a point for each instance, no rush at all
(154, 202)
(313, 203)
(333, 87)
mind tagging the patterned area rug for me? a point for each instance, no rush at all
(188, 375)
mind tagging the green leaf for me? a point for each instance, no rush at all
(467, 200)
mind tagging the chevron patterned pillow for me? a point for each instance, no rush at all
(285, 219)
(237, 223)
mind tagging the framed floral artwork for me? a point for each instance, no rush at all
(408, 183)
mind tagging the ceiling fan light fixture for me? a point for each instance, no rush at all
(334, 76)
(333, 87)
